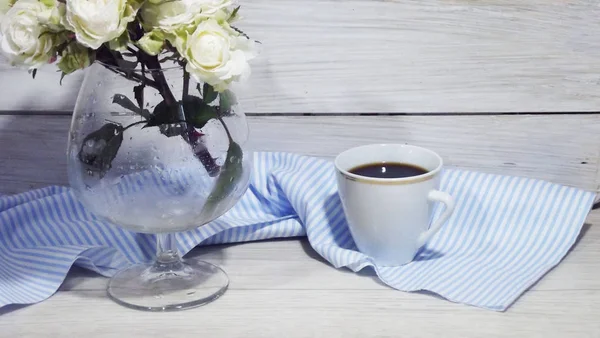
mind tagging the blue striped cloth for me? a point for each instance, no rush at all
(504, 235)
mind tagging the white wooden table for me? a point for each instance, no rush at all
(283, 288)
(507, 87)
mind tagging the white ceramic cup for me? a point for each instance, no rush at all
(389, 217)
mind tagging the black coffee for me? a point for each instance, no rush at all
(388, 170)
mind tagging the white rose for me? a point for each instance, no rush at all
(216, 54)
(98, 21)
(170, 15)
(22, 40)
(211, 7)
(53, 16)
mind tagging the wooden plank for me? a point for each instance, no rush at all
(20, 93)
(293, 265)
(311, 313)
(327, 56)
(559, 148)
(562, 149)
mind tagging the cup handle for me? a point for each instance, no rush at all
(437, 196)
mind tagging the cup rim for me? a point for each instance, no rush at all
(401, 180)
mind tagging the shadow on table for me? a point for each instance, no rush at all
(89, 284)
(367, 272)
(80, 279)
(11, 308)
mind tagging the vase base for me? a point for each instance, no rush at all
(175, 286)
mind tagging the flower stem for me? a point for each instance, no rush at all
(226, 129)
(133, 124)
(186, 84)
(158, 76)
(133, 76)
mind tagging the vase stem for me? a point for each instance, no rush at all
(166, 251)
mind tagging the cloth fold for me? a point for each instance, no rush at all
(505, 234)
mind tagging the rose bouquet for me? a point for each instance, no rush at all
(156, 143)
(75, 33)
(135, 38)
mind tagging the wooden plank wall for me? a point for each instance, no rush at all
(526, 74)
(558, 148)
(418, 56)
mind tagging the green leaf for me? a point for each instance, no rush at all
(100, 147)
(164, 114)
(119, 43)
(61, 47)
(168, 119)
(171, 118)
(208, 93)
(126, 103)
(227, 99)
(138, 93)
(197, 112)
(44, 33)
(234, 14)
(230, 175)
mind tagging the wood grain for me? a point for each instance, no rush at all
(307, 298)
(311, 313)
(561, 148)
(293, 265)
(328, 56)
(20, 93)
(283, 288)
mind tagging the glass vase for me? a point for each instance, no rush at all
(155, 152)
